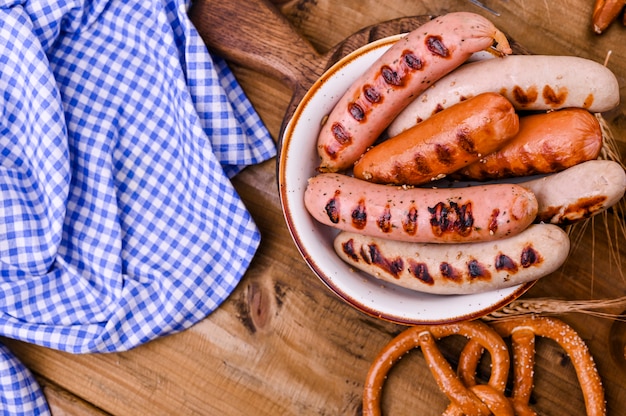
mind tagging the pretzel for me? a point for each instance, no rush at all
(484, 399)
(522, 332)
(524, 361)
(466, 396)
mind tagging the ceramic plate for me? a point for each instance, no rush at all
(297, 163)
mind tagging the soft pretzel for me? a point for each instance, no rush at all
(523, 331)
(524, 361)
(476, 400)
(466, 395)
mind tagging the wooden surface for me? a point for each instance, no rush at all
(282, 344)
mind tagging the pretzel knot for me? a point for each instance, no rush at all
(466, 396)
(477, 399)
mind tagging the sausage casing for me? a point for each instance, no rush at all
(579, 192)
(445, 143)
(479, 213)
(530, 82)
(458, 268)
(546, 143)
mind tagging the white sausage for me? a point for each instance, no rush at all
(530, 82)
(579, 192)
(458, 268)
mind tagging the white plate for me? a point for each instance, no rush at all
(298, 161)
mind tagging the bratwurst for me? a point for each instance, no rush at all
(546, 143)
(451, 215)
(453, 139)
(458, 268)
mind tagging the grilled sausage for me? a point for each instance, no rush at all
(443, 144)
(579, 192)
(480, 213)
(530, 82)
(399, 75)
(458, 268)
(546, 143)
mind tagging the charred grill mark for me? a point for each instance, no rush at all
(421, 164)
(420, 271)
(465, 219)
(583, 208)
(356, 111)
(477, 271)
(551, 157)
(552, 97)
(342, 139)
(384, 221)
(359, 215)
(390, 76)
(391, 266)
(557, 165)
(438, 108)
(449, 272)
(364, 255)
(505, 172)
(340, 134)
(436, 46)
(451, 218)
(332, 208)
(371, 94)
(493, 221)
(465, 142)
(530, 257)
(525, 98)
(348, 249)
(504, 262)
(444, 154)
(412, 61)
(547, 214)
(409, 224)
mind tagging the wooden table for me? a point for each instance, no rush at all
(283, 344)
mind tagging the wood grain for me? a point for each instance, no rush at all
(282, 343)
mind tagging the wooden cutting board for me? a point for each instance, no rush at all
(282, 343)
(256, 35)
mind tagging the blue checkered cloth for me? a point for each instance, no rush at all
(119, 135)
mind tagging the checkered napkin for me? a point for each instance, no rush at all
(118, 221)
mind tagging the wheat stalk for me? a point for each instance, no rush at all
(551, 306)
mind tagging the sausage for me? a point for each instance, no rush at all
(443, 144)
(605, 12)
(448, 269)
(546, 143)
(579, 192)
(465, 399)
(485, 212)
(530, 82)
(400, 74)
